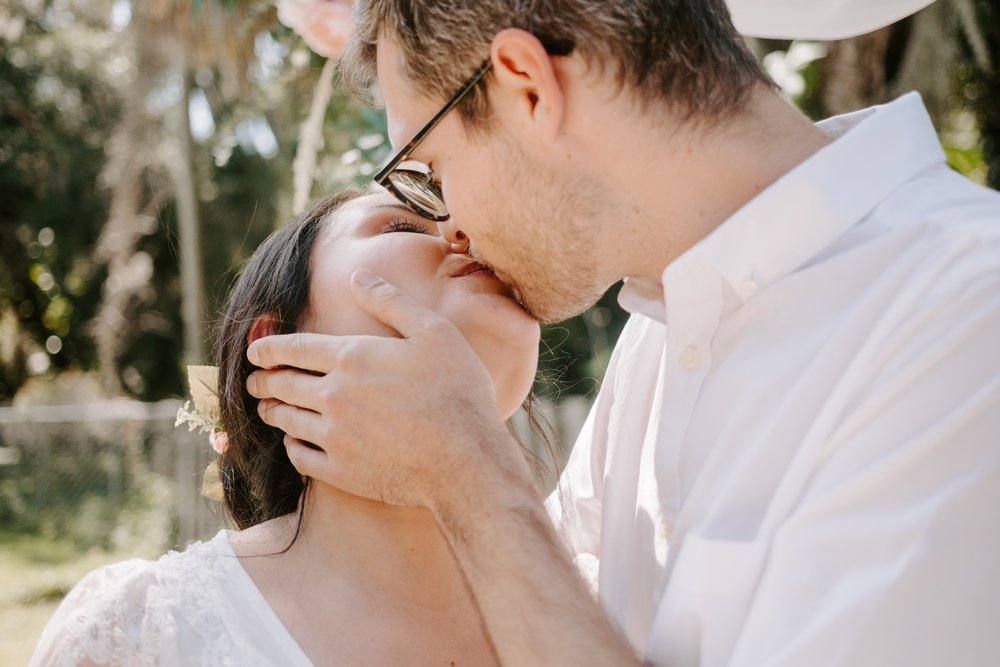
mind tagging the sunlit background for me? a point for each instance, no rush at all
(147, 148)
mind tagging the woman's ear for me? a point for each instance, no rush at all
(265, 325)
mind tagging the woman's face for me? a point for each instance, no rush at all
(375, 232)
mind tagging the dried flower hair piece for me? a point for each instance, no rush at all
(203, 383)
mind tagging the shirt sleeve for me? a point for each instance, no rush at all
(890, 555)
(827, 20)
(118, 615)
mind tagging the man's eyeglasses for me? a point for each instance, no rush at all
(413, 182)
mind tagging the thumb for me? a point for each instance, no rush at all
(391, 306)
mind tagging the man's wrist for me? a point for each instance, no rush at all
(496, 478)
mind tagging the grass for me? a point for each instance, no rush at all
(35, 574)
(20, 628)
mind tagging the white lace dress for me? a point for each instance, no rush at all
(196, 607)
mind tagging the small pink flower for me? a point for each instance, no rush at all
(325, 25)
(219, 441)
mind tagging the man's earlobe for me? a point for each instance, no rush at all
(265, 325)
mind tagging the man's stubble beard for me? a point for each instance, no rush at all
(548, 252)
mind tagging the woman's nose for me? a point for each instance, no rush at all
(455, 236)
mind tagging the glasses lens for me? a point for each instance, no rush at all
(419, 191)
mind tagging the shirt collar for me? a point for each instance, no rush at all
(873, 152)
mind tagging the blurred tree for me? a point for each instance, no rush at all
(89, 146)
(948, 52)
(979, 79)
(56, 103)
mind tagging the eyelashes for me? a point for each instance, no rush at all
(404, 225)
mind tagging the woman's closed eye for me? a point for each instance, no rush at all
(404, 225)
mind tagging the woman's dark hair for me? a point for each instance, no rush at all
(259, 482)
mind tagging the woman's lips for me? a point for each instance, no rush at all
(474, 269)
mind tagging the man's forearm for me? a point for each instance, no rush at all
(536, 607)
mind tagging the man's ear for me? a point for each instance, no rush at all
(265, 325)
(526, 82)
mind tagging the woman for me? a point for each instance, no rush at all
(314, 576)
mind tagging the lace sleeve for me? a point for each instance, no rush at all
(119, 615)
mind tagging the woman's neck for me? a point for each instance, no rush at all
(365, 583)
(386, 552)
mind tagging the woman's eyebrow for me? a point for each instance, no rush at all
(398, 207)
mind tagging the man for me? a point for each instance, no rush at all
(794, 457)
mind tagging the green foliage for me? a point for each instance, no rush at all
(196, 5)
(968, 161)
(55, 109)
(575, 353)
(979, 87)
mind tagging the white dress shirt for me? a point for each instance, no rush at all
(794, 458)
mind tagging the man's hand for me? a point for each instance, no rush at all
(413, 421)
(402, 420)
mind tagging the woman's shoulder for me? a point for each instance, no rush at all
(167, 611)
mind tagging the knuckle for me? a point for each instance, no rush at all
(349, 358)
(329, 433)
(297, 351)
(327, 394)
(285, 382)
(437, 327)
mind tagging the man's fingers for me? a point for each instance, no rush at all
(289, 386)
(391, 306)
(307, 460)
(297, 422)
(306, 351)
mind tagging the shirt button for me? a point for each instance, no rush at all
(748, 288)
(664, 530)
(690, 358)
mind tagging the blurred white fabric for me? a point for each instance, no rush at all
(196, 607)
(828, 20)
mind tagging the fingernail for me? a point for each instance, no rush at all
(252, 384)
(253, 355)
(366, 278)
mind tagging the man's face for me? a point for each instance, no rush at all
(530, 221)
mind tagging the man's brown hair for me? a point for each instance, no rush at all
(684, 54)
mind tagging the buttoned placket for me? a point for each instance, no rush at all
(693, 298)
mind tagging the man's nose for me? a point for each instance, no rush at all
(453, 235)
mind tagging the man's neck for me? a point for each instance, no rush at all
(678, 185)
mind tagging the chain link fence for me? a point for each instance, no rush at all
(110, 475)
(118, 473)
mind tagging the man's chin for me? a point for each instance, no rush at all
(551, 309)
(549, 306)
